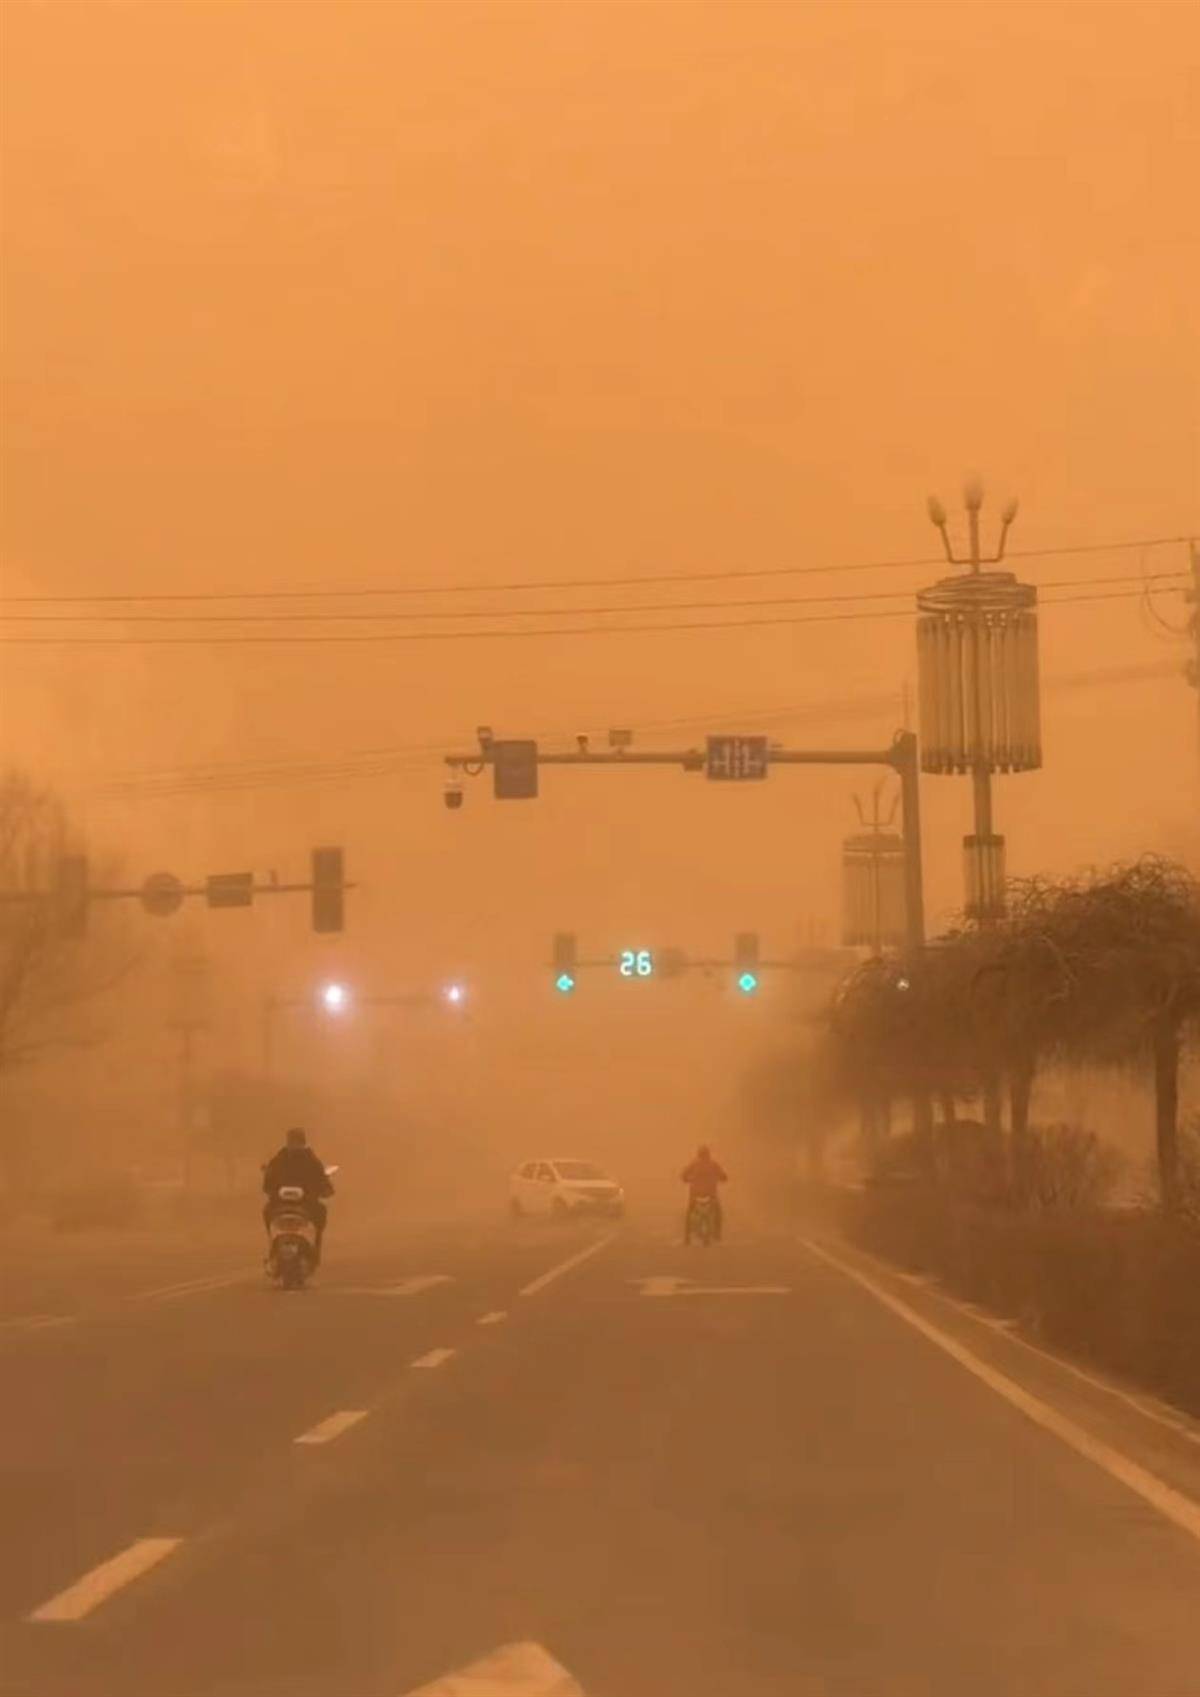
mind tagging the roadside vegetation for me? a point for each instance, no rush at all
(1102, 972)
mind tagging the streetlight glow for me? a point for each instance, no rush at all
(334, 997)
(455, 993)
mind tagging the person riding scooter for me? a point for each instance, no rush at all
(296, 1164)
(703, 1176)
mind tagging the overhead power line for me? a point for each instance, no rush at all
(384, 617)
(922, 562)
(385, 636)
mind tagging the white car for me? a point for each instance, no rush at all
(561, 1188)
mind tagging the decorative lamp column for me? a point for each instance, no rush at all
(873, 884)
(977, 658)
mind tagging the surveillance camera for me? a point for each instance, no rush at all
(581, 738)
(485, 735)
(454, 792)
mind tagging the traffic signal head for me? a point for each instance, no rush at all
(328, 885)
(565, 952)
(745, 961)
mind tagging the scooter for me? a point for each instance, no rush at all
(292, 1244)
(702, 1221)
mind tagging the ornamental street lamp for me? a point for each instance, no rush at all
(977, 658)
(873, 910)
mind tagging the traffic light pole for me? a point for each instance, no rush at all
(901, 758)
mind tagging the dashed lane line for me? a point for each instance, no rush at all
(1173, 1505)
(434, 1358)
(35, 1323)
(492, 1319)
(332, 1426)
(100, 1583)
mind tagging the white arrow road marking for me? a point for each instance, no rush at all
(332, 1426)
(407, 1287)
(95, 1587)
(518, 1670)
(667, 1284)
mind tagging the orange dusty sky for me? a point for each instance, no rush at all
(416, 296)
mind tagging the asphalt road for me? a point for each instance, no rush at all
(741, 1472)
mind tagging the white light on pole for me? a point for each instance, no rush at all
(455, 994)
(335, 998)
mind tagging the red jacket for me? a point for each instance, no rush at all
(703, 1177)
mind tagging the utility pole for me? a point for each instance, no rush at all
(1193, 598)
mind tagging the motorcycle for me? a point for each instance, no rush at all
(292, 1246)
(702, 1221)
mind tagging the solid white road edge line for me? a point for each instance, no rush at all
(1160, 1412)
(1182, 1511)
(494, 1318)
(518, 1670)
(434, 1358)
(97, 1586)
(332, 1426)
(566, 1266)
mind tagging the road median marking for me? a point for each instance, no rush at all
(566, 1266)
(517, 1670)
(332, 1426)
(101, 1582)
(1173, 1505)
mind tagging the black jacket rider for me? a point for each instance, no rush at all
(296, 1164)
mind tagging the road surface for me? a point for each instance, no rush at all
(576, 1459)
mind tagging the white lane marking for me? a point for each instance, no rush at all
(423, 1281)
(1161, 1413)
(518, 1670)
(191, 1287)
(492, 1319)
(95, 1587)
(409, 1287)
(667, 1284)
(37, 1322)
(434, 1358)
(566, 1266)
(332, 1426)
(1183, 1511)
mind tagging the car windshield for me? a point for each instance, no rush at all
(578, 1169)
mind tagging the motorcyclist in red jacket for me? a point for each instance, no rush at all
(703, 1176)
